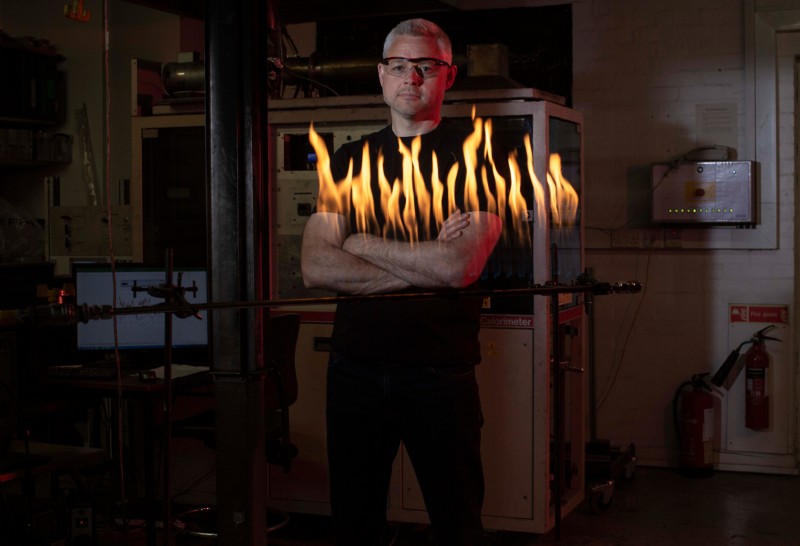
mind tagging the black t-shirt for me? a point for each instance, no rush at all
(439, 331)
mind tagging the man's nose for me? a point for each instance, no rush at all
(414, 74)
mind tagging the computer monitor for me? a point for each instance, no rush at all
(140, 338)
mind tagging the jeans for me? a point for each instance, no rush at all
(436, 413)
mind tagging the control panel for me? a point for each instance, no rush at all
(295, 186)
(704, 192)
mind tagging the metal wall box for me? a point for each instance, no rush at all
(704, 192)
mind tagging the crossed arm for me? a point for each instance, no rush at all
(334, 259)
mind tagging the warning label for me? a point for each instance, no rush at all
(774, 314)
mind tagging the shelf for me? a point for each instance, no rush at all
(23, 163)
(33, 90)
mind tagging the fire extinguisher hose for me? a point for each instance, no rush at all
(722, 374)
(675, 418)
(698, 383)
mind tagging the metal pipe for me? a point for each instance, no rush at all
(167, 450)
(68, 313)
(588, 305)
(558, 397)
(629, 287)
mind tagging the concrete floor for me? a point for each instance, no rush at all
(659, 507)
(662, 508)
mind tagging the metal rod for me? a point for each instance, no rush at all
(70, 313)
(540, 290)
(558, 397)
(588, 305)
(167, 454)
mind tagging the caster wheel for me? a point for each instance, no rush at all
(629, 472)
(598, 503)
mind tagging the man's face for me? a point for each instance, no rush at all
(412, 96)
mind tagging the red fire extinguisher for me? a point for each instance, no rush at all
(693, 412)
(756, 370)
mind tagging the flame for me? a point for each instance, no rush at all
(538, 189)
(517, 205)
(332, 197)
(363, 202)
(414, 211)
(563, 197)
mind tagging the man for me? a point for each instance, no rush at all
(403, 370)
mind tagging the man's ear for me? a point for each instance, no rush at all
(380, 73)
(451, 76)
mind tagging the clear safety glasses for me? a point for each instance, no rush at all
(425, 67)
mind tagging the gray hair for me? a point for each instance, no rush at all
(420, 28)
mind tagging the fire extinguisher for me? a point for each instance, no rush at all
(693, 413)
(756, 405)
(756, 414)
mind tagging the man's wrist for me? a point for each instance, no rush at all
(353, 243)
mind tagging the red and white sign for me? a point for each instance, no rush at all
(773, 314)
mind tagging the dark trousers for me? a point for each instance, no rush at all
(436, 413)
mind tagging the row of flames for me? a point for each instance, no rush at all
(504, 199)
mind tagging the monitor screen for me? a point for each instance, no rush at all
(94, 285)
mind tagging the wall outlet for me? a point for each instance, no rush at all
(627, 238)
(81, 522)
(654, 238)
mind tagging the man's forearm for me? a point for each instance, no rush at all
(432, 264)
(340, 271)
(325, 265)
(419, 265)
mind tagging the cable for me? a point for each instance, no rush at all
(615, 372)
(195, 483)
(112, 258)
(285, 34)
(311, 80)
(394, 538)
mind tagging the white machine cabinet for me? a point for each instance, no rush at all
(518, 339)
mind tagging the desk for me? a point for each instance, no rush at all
(50, 457)
(148, 397)
(27, 520)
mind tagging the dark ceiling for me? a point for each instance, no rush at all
(304, 11)
(186, 8)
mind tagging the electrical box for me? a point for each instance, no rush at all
(704, 192)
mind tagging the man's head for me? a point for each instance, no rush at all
(421, 28)
(415, 73)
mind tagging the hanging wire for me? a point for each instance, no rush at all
(632, 324)
(112, 258)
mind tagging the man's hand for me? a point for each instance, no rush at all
(454, 226)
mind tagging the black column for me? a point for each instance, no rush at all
(235, 49)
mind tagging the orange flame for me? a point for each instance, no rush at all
(332, 197)
(563, 197)
(405, 200)
(538, 189)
